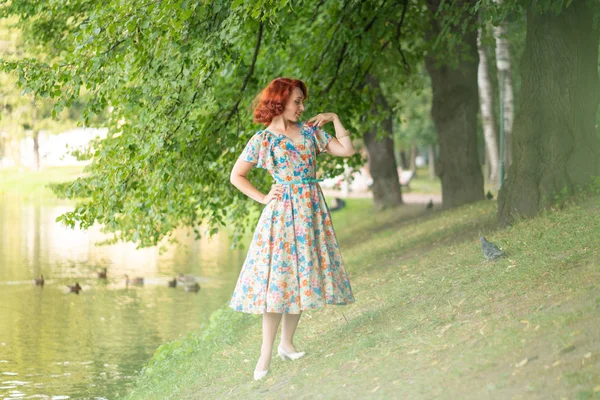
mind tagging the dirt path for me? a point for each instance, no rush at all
(407, 197)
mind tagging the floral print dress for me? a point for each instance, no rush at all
(294, 261)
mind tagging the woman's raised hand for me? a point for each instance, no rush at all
(274, 193)
(321, 119)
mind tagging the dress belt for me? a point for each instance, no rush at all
(307, 180)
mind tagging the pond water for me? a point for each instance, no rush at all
(56, 344)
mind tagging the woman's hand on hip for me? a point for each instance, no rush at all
(274, 193)
(321, 119)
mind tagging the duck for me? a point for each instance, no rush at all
(74, 288)
(102, 274)
(39, 281)
(138, 280)
(173, 283)
(195, 287)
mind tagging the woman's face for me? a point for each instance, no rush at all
(294, 106)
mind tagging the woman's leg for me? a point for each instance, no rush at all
(288, 327)
(269, 328)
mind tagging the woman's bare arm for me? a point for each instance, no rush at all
(341, 144)
(239, 180)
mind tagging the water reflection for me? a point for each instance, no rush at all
(90, 345)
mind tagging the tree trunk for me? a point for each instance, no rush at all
(35, 132)
(487, 113)
(382, 164)
(505, 84)
(486, 167)
(555, 143)
(454, 112)
(431, 163)
(413, 157)
(403, 160)
(36, 148)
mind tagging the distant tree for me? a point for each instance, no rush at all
(413, 123)
(22, 115)
(453, 71)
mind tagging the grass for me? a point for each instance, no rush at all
(422, 184)
(28, 184)
(432, 319)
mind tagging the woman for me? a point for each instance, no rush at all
(293, 263)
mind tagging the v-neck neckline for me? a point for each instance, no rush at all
(289, 138)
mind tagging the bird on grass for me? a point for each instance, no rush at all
(173, 283)
(489, 195)
(195, 287)
(74, 288)
(102, 274)
(39, 281)
(490, 250)
(338, 205)
(429, 205)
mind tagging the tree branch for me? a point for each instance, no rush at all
(368, 27)
(326, 49)
(370, 24)
(186, 113)
(250, 71)
(337, 69)
(362, 80)
(398, 33)
(312, 20)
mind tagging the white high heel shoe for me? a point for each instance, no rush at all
(260, 374)
(292, 356)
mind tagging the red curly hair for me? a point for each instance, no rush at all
(272, 99)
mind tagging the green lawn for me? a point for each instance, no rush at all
(432, 319)
(422, 184)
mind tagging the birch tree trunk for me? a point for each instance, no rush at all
(36, 148)
(36, 135)
(505, 84)
(486, 106)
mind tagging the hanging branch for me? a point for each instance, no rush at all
(398, 33)
(364, 74)
(326, 49)
(366, 29)
(314, 17)
(186, 113)
(234, 110)
(337, 69)
(370, 24)
(250, 72)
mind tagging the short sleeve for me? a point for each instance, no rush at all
(322, 138)
(253, 152)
